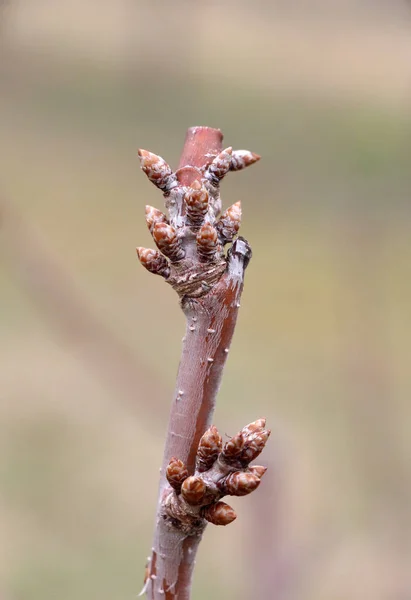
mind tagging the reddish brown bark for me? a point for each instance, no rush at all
(210, 322)
(201, 144)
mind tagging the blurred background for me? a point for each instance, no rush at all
(90, 342)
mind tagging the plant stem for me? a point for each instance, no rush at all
(210, 324)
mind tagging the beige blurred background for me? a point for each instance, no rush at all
(90, 342)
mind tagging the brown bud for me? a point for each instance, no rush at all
(153, 216)
(209, 448)
(219, 513)
(165, 236)
(196, 199)
(157, 170)
(254, 445)
(229, 223)
(234, 447)
(176, 473)
(153, 261)
(219, 166)
(240, 483)
(254, 427)
(207, 242)
(243, 158)
(257, 470)
(193, 490)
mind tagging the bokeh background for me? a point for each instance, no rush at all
(90, 342)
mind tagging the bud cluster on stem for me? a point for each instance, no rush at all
(195, 232)
(220, 471)
(198, 469)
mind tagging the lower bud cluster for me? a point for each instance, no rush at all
(221, 470)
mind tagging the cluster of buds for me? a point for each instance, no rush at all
(221, 470)
(190, 242)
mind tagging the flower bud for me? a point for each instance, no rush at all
(243, 158)
(254, 445)
(257, 470)
(229, 223)
(165, 236)
(207, 242)
(253, 427)
(196, 199)
(154, 216)
(176, 473)
(193, 490)
(234, 447)
(219, 513)
(240, 483)
(153, 261)
(157, 170)
(219, 166)
(209, 448)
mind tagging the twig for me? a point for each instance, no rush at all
(197, 469)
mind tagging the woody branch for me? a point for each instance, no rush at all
(198, 469)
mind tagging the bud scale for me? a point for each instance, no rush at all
(176, 473)
(165, 236)
(229, 223)
(154, 216)
(240, 483)
(153, 261)
(243, 158)
(196, 200)
(157, 170)
(209, 448)
(219, 513)
(193, 490)
(207, 242)
(220, 166)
